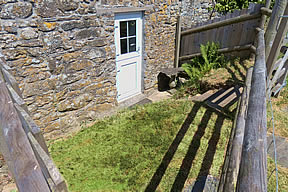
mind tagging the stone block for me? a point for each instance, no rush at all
(67, 5)
(97, 43)
(79, 65)
(29, 33)
(75, 103)
(39, 87)
(16, 10)
(47, 8)
(88, 33)
(94, 53)
(13, 54)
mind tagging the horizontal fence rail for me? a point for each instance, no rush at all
(245, 163)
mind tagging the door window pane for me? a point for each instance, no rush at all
(132, 28)
(123, 28)
(124, 46)
(132, 44)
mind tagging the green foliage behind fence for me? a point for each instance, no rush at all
(225, 6)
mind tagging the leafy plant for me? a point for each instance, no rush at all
(210, 58)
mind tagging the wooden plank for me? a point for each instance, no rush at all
(18, 154)
(186, 44)
(277, 43)
(244, 28)
(282, 80)
(227, 33)
(12, 81)
(16, 98)
(253, 167)
(30, 126)
(284, 77)
(277, 75)
(196, 43)
(236, 31)
(54, 173)
(222, 23)
(236, 149)
(214, 32)
(220, 36)
(182, 49)
(178, 42)
(277, 64)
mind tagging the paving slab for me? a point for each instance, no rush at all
(281, 148)
(159, 96)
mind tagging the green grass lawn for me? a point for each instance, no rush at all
(164, 146)
(280, 110)
(122, 153)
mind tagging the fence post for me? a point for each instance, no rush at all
(178, 42)
(263, 17)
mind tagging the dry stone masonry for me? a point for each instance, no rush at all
(62, 53)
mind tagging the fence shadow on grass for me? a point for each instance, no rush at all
(209, 155)
(156, 179)
(186, 165)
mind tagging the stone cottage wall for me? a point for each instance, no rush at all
(62, 53)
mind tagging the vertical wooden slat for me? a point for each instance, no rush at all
(253, 168)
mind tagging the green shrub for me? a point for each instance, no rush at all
(225, 6)
(210, 59)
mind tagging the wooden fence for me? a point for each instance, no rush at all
(234, 32)
(245, 166)
(22, 143)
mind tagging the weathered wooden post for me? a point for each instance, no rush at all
(252, 174)
(178, 42)
(263, 17)
(277, 43)
(271, 30)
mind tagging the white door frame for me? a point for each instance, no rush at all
(123, 60)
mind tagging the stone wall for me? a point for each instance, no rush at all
(196, 11)
(62, 53)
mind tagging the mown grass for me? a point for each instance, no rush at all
(121, 153)
(282, 177)
(280, 110)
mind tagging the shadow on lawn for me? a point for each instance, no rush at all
(195, 144)
(237, 70)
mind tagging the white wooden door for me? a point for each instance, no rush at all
(128, 38)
